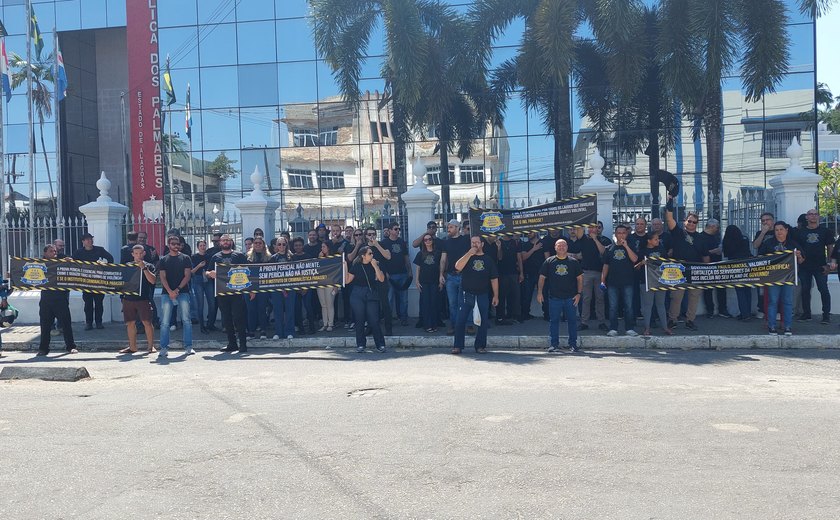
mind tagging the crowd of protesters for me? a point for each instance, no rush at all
(465, 283)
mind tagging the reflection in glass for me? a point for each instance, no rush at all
(216, 44)
(256, 42)
(93, 15)
(221, 128)
(258, 85)
(219, 87)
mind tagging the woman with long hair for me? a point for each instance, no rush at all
(737, 246)
(427, 280)
(783, 294)
(258, 302)
(652, 248)
(283, 302)
(365, 276)
(326, 295)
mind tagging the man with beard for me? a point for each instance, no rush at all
(232, 307)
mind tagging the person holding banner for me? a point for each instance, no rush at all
(365, 277)
(565, 283)
(138, 307)
(175, 272)
(651, 247)
(688, 246)
(94, 306)
(780, 242)
(283, 302)
(55, 305)
(619, 276)
(817, 242)
(233, 312)
(478, 273)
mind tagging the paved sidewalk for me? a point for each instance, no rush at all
(715, 333)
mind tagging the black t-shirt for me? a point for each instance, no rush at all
(562, 276)
(399, 251)
(340, 247)
(429, 267)
(533, 263)
(814, 242)
(592, 258)
(509, 264)
(96, 254)
(364, 274)
(312, 251)
(197, 259)
(773, 246)
(476, 275)
(548, 242)
(232, 258)
(636, 242)
(688, 247)
(172, 267)
(146, 285)
(455, 248)
(621, 272)
(767, 236)
(711, 242)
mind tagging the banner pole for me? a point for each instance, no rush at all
(647, 285)
(343, 270)
(795, 269)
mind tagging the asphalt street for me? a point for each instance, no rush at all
(424, 434)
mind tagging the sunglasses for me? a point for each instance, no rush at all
(691, 221)
(357, 234)
(427, 240)
(371, 234)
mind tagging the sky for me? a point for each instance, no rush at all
(828, 62)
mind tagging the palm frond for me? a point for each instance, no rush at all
(767, 46)
(815, 8)
(554, 24)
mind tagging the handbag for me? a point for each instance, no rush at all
(476, 315)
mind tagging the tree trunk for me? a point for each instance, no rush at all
(444, 178)
(398, 128)
(655, 121)
(47, 164)
(563, 182)
(714, 150)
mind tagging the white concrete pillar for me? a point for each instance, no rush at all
(257, 210)
(794, 190)
(420, 204)
(604, 189)
(104, 220)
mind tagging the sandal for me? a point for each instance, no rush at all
(668, 332)
(127, 350)
(481, 350)
(456, 351)
(152, 350)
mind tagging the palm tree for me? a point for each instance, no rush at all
(42, 96)
(701, 42)
(541, 68)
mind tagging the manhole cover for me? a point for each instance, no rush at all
(366, 392)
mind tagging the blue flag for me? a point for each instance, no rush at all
(61, 77)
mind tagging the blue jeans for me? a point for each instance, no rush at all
(785, 293)
(556, 306)
(166, 308)
(465, 313)
(744, 295)
(197, 283)
(429, 305)
(454, 295)
(613, 293)
(284, 313)
(398, 298)
(257, 316)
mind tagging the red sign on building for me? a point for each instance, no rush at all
(145, 115)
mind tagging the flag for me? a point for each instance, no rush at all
(167, 85)
(61, 76)
(37, 37)
(4, 71)
(3, 32)
(188, 116)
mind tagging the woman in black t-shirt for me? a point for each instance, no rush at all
(365, 276)
(427, 281)
(200, 285)
(258, 302)
(652, 248)
(736, 246)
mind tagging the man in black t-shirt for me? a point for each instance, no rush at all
(618, 274)
(454, 247)
(816, 241)
(712, 244)
(478, 274)
(94, 303)
(637, 240)
(231, 305)
(175, 271)
(532, 259)
(565, 283)
(591, 253)
(138, 308)
(398, 268)
(686, 245)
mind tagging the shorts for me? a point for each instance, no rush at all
(136, 310)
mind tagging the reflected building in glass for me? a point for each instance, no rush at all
(262, 97)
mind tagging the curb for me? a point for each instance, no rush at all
(701, 342)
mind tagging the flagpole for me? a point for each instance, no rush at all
(31, 129)
(4, 237)
(171, 171)
(59, 206)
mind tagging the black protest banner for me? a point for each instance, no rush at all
(284, 276)
(664, 274)
(74, 275)
(567, 213)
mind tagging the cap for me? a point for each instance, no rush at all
(454, 222)
(86, 235)
(322, 225)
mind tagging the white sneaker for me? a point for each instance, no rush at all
(189, 351)
(290, 337)
(612, 333)
(275, 337)
(759, 315)
(632, 333)
(172, 327)
(263, 336)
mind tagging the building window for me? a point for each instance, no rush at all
(330, 180)
(381, 178)
(433, 175)
(300, 179)
(614, 156)
(776, 142)
(377, 130)
(472, 173)
(308, 137)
